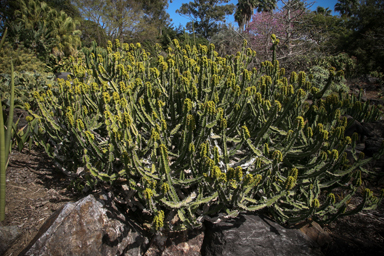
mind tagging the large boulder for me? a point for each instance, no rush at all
(63, 75)
(355, 126)
(88, 227)
(372, 146)
(8, 235)
(252, 235)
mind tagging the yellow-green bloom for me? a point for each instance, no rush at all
(159, 220)
(246, 134)
(29, 119)
(290, 183)
(315, 203)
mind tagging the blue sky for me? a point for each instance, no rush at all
(178, 19)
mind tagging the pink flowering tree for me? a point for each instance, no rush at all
(260, 29)
(287, 23)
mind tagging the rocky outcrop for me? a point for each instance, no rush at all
(255, 235)
(95, 227)
(88, 227)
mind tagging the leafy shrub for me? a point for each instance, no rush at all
(379, 76)
(25, 84)
(320, 76)
(196, 135)
(341, 61)
(23, 60)
(228, 40)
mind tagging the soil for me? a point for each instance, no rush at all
(35, 189)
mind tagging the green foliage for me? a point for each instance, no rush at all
(379, 76)
(22, 58)
(66, 6)
(326, 30)
(205, 14)
(92, 31)
(320, 78)
(8, 132)
(166, 41)
(195, 134)
(365, 39)
(228, 40)
(347, 7)
(342, 61)
(44, 30)
(25, 83)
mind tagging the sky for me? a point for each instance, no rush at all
(177, 19)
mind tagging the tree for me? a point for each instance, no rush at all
(66, 6)
(7, 9)
(155, 13)
(229, 40)
(92, 31)
(119, 18)
(205, 15)
(123, 18)
(288, 24)
(245, 10)
(155, 20)
(347, 7)
(366, 38)
(323, 11)
(325, 29)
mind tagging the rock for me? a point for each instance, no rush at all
(316, 233)
(376, 128)
(63, 75)
(355, 126)
(20, 115)
(8, 235)
(185, 243)
(255, 235)
(88, 227)
(372, 146)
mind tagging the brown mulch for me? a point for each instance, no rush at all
(35, 189)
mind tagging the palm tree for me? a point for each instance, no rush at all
(245, 9)
(323, 11)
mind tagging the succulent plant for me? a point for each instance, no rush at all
(5, 139)
(197, 135)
